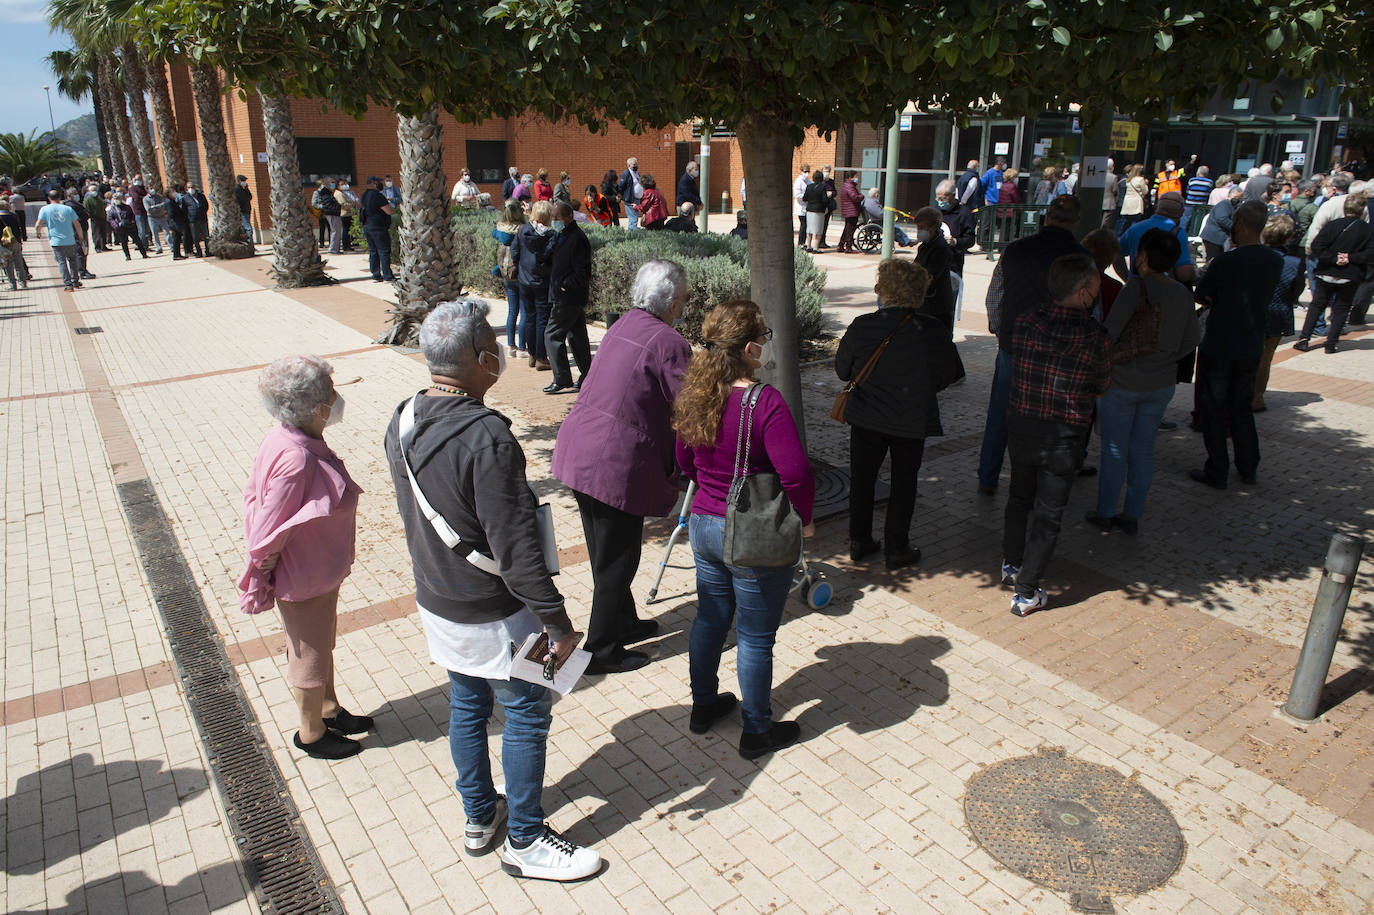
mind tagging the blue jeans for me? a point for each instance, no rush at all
(524, 741)
(995, 428)
(1128, 422)
(758, 594)
(513, 315)
(69, 260)
(247, 225)
(379, 253)
(534, 300)
(145, 232)
(631, 216)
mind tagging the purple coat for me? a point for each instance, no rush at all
(617, 444)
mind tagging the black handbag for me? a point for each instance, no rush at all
(762, 529)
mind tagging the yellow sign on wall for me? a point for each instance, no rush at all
(1125, 135)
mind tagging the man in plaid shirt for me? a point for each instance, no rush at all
(1061, 364)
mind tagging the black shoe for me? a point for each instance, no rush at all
(703, 716)
(1250, 480)
(376, 279)
(556, 388)
(641, 630)
(577, 386)
(627, 661)
(907, 556)
(1126, 525)
(1302, 345)
(87, 275)
(1103, 524)
(348, 723)
(1201, 477)
(858, 549)
(987, 490)
(330, 746)
(388, 279)
(1167, 425)
(1087, 471)
(781, 734)
(1331, 348)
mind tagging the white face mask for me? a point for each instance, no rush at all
(500, 362)
(923, 235)
(764, 355)
(336, 410)
(388, 184)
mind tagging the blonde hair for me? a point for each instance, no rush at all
(901, 283)
(715, 368)
(542, 213)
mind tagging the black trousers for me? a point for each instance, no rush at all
(1045, 458)
(613, 546)
(124, 235)
(1226, 393)
(801, 229)
(348, 233)
(867, 448)
(179, 237)
(1340, 296)
(567, 329)
(1359, 306)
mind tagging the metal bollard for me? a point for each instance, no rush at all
(724, 202)
(1333, 594)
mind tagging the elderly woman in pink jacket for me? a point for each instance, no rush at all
(300, 509)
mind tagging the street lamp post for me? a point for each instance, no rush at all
(47, 90)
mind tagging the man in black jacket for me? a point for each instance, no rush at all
(1020, 283)
(570, 273)
(179, 223)
(958, 219)
(244, 198)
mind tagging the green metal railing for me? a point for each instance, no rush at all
(999, 225)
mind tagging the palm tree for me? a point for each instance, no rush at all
(226, 229)
(28, 157)
(75, 74)
(426, 236)
(132, 71)
(296, 257)
(156, 73)
(110, 84)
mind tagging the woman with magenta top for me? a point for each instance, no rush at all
(707, 418)
(299, 516)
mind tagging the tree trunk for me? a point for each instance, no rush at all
(156, 73)
(107, 164)
(138, 113)
(426, 236)
(296, 256)
(121, 119)
(766, 145)
(226, 229)
(106, 92)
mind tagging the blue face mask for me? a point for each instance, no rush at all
(557, 225)
(943, 205)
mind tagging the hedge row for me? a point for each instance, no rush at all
(717, 268)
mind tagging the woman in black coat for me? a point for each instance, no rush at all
(894, 409)
(1342, 248)
(937, 257)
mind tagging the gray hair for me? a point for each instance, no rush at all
(452, 334)
(945, 187)
(658, 284)
(1359, 187)
(527, 178)
(1341, 181)
(686, 209)
(293, 386)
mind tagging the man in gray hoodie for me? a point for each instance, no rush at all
(481, 598)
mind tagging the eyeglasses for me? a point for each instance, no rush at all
(767, 334)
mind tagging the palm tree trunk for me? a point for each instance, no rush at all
(138, 110)
(121, 119)
(163, 115)
(105, 161)
(226, 229)
(105, 91)
(296, 257)
(426, 236)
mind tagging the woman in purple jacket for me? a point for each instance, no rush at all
(708, 417)
(615, 452)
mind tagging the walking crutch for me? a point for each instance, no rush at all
(672, 539)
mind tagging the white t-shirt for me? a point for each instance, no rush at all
(477, 649)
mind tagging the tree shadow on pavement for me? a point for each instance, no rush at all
(653, 760)
(115, 797)
(115, 892)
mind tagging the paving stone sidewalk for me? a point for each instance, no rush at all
(1165, 656)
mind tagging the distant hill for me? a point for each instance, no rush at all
(80, 134)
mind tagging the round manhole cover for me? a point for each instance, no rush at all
(1073, 826)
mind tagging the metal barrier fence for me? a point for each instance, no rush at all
(999, 226)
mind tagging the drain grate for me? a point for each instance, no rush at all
(94, 329)
(1073, 826)
(278, 854)
(832, 490)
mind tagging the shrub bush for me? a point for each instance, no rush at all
(717, 268)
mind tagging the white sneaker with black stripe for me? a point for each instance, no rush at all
(477, 838)
(550, 857)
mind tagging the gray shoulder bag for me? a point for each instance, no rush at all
(762, 529)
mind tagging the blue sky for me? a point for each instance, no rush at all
(27, 42)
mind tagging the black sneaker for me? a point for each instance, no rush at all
(1102, 523)
(348, 723)
(1126, 525)
(859, 549)
(703, 716)
(781, 734)
(330, 746)
(623, 663)
(1201, 477)
(907, 556)
(641, 630)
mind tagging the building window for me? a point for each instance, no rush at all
(325, 157)
(487, 161)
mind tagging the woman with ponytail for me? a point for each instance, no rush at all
(707, 419)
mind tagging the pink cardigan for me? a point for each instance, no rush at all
(299, 502)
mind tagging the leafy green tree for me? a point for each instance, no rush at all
(24, 157)
(774, 67)
(75, 74)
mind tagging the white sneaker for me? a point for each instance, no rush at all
(550, 857)
(1009, 573)
(477, 838)
(1025, 606)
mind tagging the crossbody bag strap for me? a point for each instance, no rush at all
(406, 432)
(872, 362)
(746, 430)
